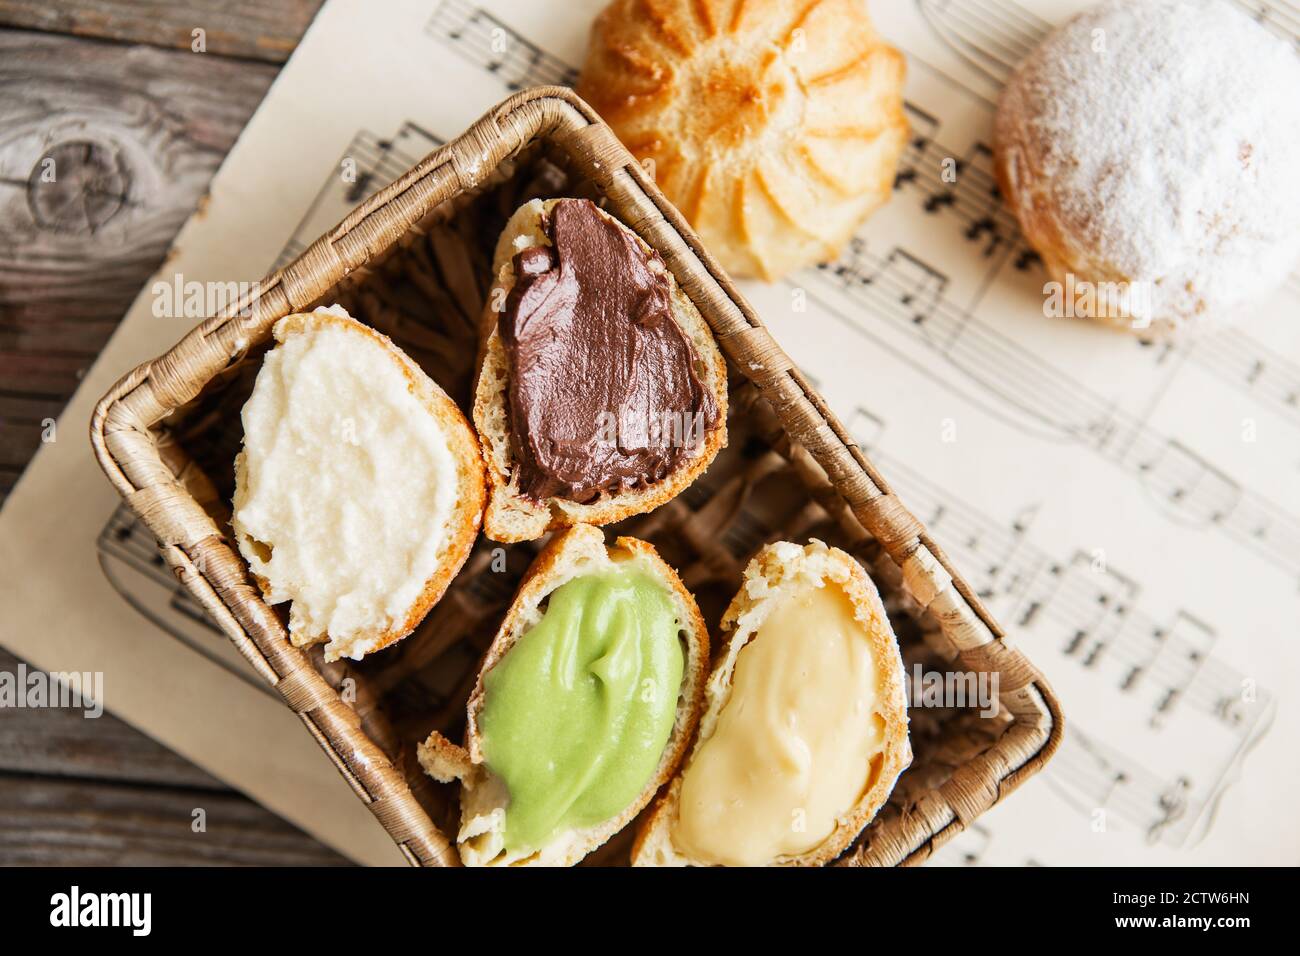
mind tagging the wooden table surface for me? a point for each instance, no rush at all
(136, 122)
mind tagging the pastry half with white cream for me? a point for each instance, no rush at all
(359, 490)
(805, 727)
(584, 705)
(601, 392)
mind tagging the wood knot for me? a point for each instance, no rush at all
(78, 186)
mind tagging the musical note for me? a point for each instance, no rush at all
(1175, 473)
(1233, 699)
(1094, 615)
(374, 162)
(1162, 666)
(1096, 777)
(976, 170)
(490, 43)
(923, 126)
(131, 563)
(1090, 601)
(963, 185)
(1026, 259)
(918, 285)
(908, 294)
(866, 428)
(1178, 653)
(1238, 359)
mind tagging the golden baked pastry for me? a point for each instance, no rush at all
(775, 126)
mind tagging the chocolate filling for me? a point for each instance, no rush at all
(603, 393)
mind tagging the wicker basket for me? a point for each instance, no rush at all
(414, 261)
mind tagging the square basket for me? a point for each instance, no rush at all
(413, 261)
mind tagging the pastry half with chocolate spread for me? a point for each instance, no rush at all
(804, 730)
(585, 703)
(601, 392)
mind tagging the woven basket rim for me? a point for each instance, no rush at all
(124, 444)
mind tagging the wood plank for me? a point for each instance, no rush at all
(135, 135)
(52, 331)
(23, 418)
(48, 374)
(130, 137)
(63, 742)
(46, 821)
(265, 30)
(85, 791)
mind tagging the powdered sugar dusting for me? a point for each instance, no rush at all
(1166, 137)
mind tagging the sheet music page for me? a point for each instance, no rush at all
(1130, 513)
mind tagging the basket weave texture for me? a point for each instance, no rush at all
(413, 261)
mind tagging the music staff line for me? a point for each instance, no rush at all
(907, 293)
(377, 162)
(972, 194)
(1280, 16)
(126, 541)
(1236, 369)
(1095, 777)
(1097, 612)
(994, 36)
(1132, 805)
(1036, 589)
(490, 43)
(1101, 629)
(976, 530)
(1244, 516)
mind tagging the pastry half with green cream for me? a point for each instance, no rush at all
(805, 725)
(583, 707)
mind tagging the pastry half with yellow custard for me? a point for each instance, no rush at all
(805, 725)
(583, 708)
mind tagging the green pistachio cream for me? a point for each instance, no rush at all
(576, 714)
